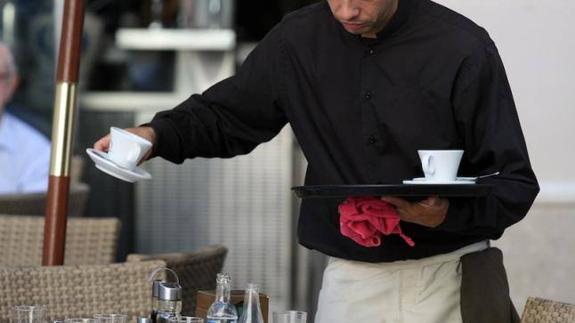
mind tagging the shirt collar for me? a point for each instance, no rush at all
(398, 20)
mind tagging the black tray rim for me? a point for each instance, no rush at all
(407, 190)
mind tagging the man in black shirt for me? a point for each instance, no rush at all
(365, 84)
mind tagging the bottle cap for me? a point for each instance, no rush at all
(156, 288)
(164, 290)
(223, 278)
(169, 291)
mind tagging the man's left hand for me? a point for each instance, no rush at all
(430, 212)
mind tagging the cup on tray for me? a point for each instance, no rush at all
(440, 165)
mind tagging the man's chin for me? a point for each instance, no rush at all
(356, 29)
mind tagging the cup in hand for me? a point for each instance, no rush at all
(127, 149)
(440, 165)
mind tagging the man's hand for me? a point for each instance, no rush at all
(148, 133)
(430, 212)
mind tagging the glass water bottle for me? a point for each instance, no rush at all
(252, 312)
(222, 310)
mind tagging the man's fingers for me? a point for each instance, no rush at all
(430, 201)
(103, 144)
(395, 201)
(433, 202)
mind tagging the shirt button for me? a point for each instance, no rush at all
(368, 95)
(371, 51)
(371, 140)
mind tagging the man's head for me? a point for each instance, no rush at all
(8, 76)
(363, 17)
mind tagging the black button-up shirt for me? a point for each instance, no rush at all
(360, 109)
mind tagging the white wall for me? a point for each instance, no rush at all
(536, 40)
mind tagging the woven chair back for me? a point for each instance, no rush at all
(35, 203)
(539, 310)
(89, 241)
(79, 291)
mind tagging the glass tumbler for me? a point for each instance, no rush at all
(290, 317)
(111, 318)
(280, 317)
(297, 316)
(187, 319)
(28, 314)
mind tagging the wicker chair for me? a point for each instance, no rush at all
(89, 241)
(197, 271)
(35, 203)
(79, 291)
(538, 310)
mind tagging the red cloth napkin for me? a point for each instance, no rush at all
(366, 219)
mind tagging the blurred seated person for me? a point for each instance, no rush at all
(24, 151)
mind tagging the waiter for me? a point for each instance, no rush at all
(364, 84)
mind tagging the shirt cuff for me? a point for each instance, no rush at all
(167, 139)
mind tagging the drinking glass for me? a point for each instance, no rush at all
(186, 319)
(80, 320)
(28, 314)
(297, 316)
(290, 317)
(111, 318)
(280, 317)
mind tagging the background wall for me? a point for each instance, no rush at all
(536, 42)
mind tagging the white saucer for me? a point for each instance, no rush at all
(110, 168)
(458, 180)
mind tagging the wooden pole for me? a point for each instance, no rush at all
(62, 133)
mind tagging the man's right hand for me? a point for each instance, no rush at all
(148, 133)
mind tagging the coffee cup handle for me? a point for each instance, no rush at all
(427, 165)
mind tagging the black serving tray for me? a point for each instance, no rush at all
(403, 190)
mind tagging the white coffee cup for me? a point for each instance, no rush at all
(127, 149)
(440, 165)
